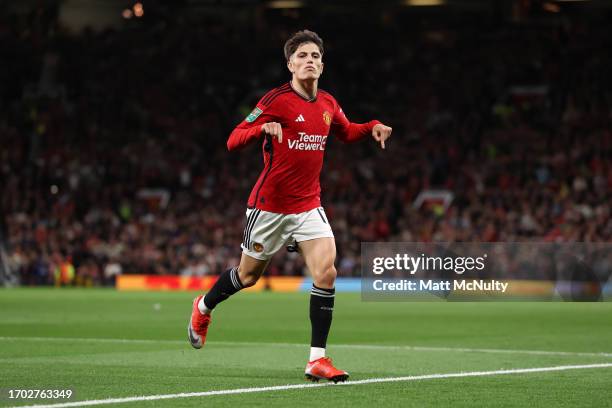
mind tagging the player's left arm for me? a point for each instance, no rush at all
(350, 132)
(381, 132)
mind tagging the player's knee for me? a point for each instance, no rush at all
(248, 278)
(327, 276)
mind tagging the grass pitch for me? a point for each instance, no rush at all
(107, 344)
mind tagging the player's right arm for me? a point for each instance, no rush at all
(260, 122)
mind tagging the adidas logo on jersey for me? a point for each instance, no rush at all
(300, 118)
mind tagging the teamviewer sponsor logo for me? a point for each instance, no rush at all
(308, 142)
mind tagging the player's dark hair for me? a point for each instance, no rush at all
(302, 37)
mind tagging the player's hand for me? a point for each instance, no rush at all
(273, 129)
(380, 133)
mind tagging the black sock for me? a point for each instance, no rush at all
(321, 309)
(227, 284)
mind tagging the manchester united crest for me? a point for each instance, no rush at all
(327, 118)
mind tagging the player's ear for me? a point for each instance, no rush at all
(322, 65)
(290, 66)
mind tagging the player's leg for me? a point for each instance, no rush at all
(318, 247)
(319, 255)
(260, 240)
(231, 281)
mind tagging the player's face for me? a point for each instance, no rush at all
(306, 62)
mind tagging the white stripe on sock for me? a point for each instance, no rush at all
(236, 279)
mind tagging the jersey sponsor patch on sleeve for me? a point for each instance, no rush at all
(253, 115)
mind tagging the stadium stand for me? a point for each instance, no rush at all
(113, 158)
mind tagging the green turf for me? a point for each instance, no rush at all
(259, 340)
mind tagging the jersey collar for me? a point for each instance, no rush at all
(302, 96)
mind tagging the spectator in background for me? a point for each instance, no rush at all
(108, 123)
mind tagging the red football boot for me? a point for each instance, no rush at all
(198, 325)
(323, 369)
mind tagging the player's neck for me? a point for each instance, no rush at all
(308, 89)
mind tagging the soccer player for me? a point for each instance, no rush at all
(293, 122)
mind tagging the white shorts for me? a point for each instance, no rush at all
(266, 232)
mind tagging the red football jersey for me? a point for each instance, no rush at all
(289, 182)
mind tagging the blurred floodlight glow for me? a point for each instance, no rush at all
(138, 10)
(285, 4)
(127, 14)
(551, 7)
(424, 2)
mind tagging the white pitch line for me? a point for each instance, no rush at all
(340, 346)
(92, 340)
(301, 386)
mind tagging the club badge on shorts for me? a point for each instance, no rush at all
(257, 247)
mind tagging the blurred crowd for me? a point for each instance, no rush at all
(113, 157)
